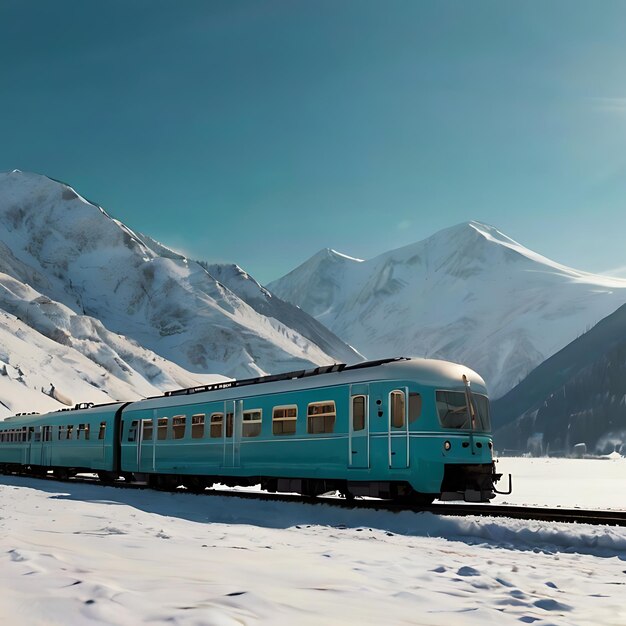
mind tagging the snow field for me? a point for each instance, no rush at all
(570, 483)
(86, 554)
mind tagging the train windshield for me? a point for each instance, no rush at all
(452, 410)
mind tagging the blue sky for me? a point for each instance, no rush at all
(260, 132)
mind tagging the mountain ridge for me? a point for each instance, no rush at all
(149, 317)
(468, 293)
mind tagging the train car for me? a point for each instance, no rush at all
(397, 428)
(411, 429)
(69, 441)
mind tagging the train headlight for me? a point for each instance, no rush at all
(447, 445)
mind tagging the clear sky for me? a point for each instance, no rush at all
(259, 132)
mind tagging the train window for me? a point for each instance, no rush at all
(217, 419)
(252, 422)
(452, 410)
(146, 434)
(132, 431)
(37, 434)
(178, 426)
(284, 420)
(102, 431)
(87, 430)
(31, 431)
(162, 428)
(81, 431)
(197, 426)
(321, 417)
(358, 413)
(396, 408)
(415, 406)
(229, 424)
(47, 433)
(61, 432)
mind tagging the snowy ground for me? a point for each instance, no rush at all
(570, 483)
(83, 554)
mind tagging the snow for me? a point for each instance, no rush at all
(468, 294)
(573, 483)
(85, 554)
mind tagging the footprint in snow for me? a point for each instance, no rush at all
(17, 556)
(548, 604)
(466, 570)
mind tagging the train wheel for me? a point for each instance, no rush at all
(415, 499)
(348, 495)
(61, 473)
(195, 484)
(163, 482)
(107, 477)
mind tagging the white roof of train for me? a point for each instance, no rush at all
(427, 372)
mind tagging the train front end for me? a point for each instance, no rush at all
(452, 445)
(469, 472)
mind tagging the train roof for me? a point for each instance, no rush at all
(87, 409)
(428, 372)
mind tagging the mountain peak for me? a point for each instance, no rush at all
(326, 254)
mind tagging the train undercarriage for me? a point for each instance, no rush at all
(470, 483)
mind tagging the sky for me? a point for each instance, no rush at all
(260, 132)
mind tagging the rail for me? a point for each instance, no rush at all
(547, 514)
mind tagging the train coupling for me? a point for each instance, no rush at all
(497, 477)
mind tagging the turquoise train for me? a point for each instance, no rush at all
(403, 428)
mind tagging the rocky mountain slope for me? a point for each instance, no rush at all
(468, 294)
(84, 298)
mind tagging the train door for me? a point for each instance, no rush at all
(398, 412)
(140, 433)
(146, 451)
(233, 417)
(35, 452)
(134, 436)
(359, 427)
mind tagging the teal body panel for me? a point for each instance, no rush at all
(420, 447)
(93, 453)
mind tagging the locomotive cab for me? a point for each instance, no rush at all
(468, 414)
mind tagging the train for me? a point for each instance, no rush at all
(406, 429)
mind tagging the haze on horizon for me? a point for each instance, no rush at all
(258, 133)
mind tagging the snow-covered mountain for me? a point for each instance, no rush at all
(270, 305)
(94, 311)
(468, 293)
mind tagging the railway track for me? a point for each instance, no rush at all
(579, 516)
